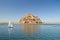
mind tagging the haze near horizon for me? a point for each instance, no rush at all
(47, 10)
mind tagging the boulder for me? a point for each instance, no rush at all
(30, 19)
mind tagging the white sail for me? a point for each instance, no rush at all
(9, 24)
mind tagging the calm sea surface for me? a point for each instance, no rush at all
(30, 32)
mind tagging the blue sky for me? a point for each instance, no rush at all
(47, 10)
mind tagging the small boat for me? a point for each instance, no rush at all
(10, 25)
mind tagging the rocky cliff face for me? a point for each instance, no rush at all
(30, 19)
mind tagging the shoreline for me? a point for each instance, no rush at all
(19, 23)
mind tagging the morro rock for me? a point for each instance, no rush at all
(30, 19)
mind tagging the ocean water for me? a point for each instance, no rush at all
(30, 32)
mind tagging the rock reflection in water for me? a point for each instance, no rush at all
(29, 29)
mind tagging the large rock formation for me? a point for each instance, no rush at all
(30, 19)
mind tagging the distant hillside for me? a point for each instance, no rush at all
(3, 22)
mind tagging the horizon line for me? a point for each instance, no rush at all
(42, 23)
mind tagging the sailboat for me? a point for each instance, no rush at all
(10, 25)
